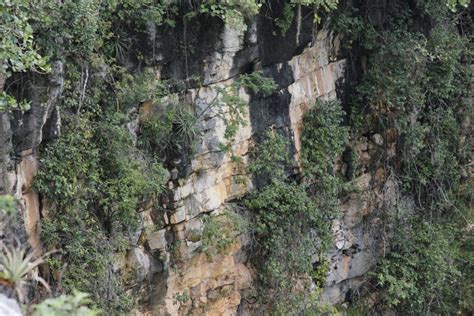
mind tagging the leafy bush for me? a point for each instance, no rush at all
(232, 12)
(420, 272)
(136, 178)
(65, 305)
(292, 226)
(320, 7)
(220, 232)
(171, 135)
(134, 90)
(415, 81)
(290, 231)
(96, 179)
(323, 139)
(18, 51)
(270, 158)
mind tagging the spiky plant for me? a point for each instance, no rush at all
(17, 266)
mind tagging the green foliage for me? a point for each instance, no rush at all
(135, 180)
(142, 11)
(135, 90)
(220, 232)
(231, 107)
(323, 139)
(256, 82)
(68, 30)
(232, 12)
(67, 164)
(17, 49)
(407, 70)
(96, 179)
(17, 265)
(7, 204)
(76, 304)
(319, 7)
(18, 52)
(416, 78)
(290, 231)
(420, 272)
(172, 134)
(453, 4)
(415, 83)
(286, 19)
(291, 226)
(181, 298)
(270, 157)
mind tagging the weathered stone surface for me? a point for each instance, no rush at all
(139, 262)
(43, 120)
(157, 239)
(356, 246)
(166, 249)
(214, 287)
(178, 216)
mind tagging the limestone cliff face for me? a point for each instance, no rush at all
(20, 137)
(312, 72)
(176, 277)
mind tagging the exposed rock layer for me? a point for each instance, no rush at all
(177, 278)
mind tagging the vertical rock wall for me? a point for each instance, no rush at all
(176, 277)
(20, 137)
(309, 72)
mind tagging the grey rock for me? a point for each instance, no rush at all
(157, 240)
(140, 262)
(377, 139)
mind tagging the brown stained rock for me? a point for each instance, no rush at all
(380, 175)
(29, 201)
(32, 220)
(193, 229)
(226, 305)
(213, 285)
(178, 216)
(145, 111)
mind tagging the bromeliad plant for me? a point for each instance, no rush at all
(17, 265)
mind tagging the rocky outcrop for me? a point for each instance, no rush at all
(174, 276)
(190, 282)
(20, 136)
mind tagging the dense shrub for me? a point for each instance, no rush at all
(270, 158)
(291, 226)
(415, 81)
(420, 274)
(220, 232)
(96, 179)
(323, 140)
(290, 231)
